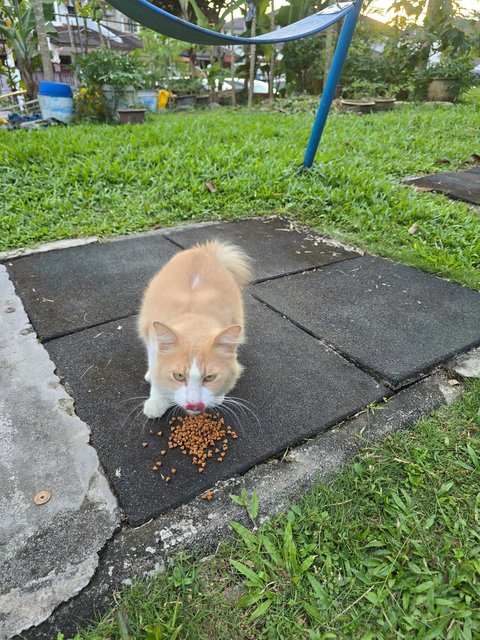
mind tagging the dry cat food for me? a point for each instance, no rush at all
(201, 436)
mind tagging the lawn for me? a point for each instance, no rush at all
(105, 180)
(390, 548)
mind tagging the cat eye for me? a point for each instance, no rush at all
(210, 378)
(178, 376)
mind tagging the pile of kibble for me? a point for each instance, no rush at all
(201, 437)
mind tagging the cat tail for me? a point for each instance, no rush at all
(233, 259)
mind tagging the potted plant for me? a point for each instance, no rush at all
(132, 115)
(364, 96)
(185, 91)
(446, 79)
(115, 75)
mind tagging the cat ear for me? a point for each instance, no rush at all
(228, 339)
(167, 339)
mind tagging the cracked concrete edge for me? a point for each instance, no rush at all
(467, 365)
(48, 553)
(199, 525)
(47, 246)
(55, 245)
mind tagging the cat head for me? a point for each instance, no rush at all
(196, 370)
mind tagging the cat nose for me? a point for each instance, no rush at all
(195, 406)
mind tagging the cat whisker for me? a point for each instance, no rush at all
(134, 398)
(243, 408)
(134, 410)
(241, 400)
(237, 412)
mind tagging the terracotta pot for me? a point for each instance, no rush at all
(185, 102)
(357, 106)
(131, 116)
(383, 104)
(203, 101)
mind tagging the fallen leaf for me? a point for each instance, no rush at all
(442, 161)
(423, 188)
(453, 382)
(413, 229)
(210, 186)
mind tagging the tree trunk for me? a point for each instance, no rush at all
(253, 49)
(42, 40)
(329, 42)
(79, 31)
(232, 73)
(232, 69)
(85, 28)
(273, 55)
(100, 34)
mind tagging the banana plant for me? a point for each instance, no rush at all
(17, 26)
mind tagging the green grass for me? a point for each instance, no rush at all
(105, 180)
(390, 549)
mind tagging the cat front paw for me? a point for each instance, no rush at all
(148, 376)
(154, 408)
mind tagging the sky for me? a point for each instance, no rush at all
(379, 8)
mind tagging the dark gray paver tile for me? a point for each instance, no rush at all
(393, 320)
(462, 185)
(274, 244)
(295, 384)
(71, 289)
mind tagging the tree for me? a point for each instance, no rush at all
(42, 42)
(18, 27)
(439, 26)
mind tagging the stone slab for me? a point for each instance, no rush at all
(276, 246)
(48, 552)
(295, 385)
(461, 185)
(70, 289)
(394, 321)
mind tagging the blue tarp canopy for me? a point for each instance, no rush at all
(169, 25)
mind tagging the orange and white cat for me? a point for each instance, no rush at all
(191, 321)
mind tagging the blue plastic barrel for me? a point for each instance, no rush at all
(56, 100)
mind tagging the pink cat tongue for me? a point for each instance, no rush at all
(195, 406)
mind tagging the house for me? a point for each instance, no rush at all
(77, 35)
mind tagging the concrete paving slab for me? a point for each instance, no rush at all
(459, 185)
(49, 551)
(395, 321)
(276, 245)
(296, 386)
(69, 289)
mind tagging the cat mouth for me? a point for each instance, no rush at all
(195, 408)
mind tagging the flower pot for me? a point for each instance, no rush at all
(186, 101)
(383, 104)
(357, 106)
(115, 98)
(442, 90)
(203, 101)
(131, 116)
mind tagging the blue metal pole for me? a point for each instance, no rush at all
(332, 80)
